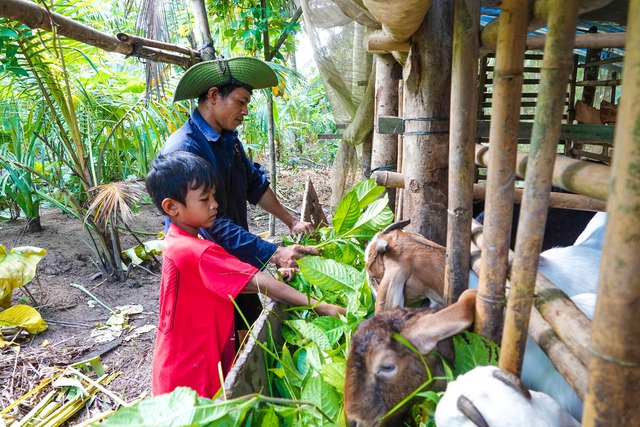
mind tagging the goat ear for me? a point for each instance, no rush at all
(426, 330)
(391, 289)
(382, 245)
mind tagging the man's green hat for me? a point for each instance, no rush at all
(203, 76)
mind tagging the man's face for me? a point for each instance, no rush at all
(229, 112)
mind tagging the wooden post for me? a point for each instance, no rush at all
(464, 81)
(385, 147)
(613, 396)
(503, 140)
(427, 91)
(558, 57)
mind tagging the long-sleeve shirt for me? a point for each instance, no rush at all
(238, 180)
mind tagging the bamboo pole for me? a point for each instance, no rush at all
(580, 177)
(584, 41)
(35, 16)
(613, 396)
(556, 200)
(503, 138)
(427, 94)
(464, 80)
(384, 151)
(384, 43)
(557, 62)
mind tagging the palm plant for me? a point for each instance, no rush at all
(98, 128)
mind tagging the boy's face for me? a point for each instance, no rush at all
(200, 210)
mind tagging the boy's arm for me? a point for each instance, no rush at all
(279, 291)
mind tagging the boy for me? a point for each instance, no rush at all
(199, 281)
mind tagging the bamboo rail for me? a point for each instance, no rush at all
(557, 200)
(613, 396)
(558, 59)
(384, 43)
(35, 16)
(577, 176)
(503, 135)
(464, 79)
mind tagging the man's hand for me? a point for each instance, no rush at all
(287, 273)
(301, 227)
(286, 256)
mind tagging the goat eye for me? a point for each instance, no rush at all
(386, 370)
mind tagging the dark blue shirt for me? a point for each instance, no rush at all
(238, 180)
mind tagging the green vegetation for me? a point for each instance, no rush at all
(79, 126)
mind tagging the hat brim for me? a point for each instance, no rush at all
(204, 75)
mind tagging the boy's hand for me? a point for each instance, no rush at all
(325, 309)
(286, 256)
(287, 273)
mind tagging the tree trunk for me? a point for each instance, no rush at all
(427, 92)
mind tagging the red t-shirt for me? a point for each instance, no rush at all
(196, 319)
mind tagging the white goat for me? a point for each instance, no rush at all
(487, 396)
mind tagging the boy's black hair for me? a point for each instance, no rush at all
(225, 89)
(172, 175)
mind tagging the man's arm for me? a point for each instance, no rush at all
(239, 242)
(269, 202)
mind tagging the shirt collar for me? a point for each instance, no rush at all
(206, 129)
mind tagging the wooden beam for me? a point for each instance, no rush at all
(35, 16)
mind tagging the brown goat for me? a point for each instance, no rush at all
(404, 277)
(380, 369)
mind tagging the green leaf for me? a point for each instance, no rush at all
(333, 328)
(9, 33)
(377, 216)
(311, 333)
(328, 274)
(182, 408)
(473, 350)
(367, 191)
(334, 372)
(294, 377)
(347, 213)
(324, 396)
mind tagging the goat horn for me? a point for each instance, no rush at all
(382, 245)
(470, 411)
(512, 381)
(397, 225)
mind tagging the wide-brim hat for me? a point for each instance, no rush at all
(204, 75)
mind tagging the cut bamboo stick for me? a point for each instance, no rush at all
(464, 79)
(558, 59)
(503, 134)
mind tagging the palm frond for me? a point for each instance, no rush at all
(112, 202)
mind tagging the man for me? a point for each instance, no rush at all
(223, 88)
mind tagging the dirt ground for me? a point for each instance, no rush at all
(72, 314)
